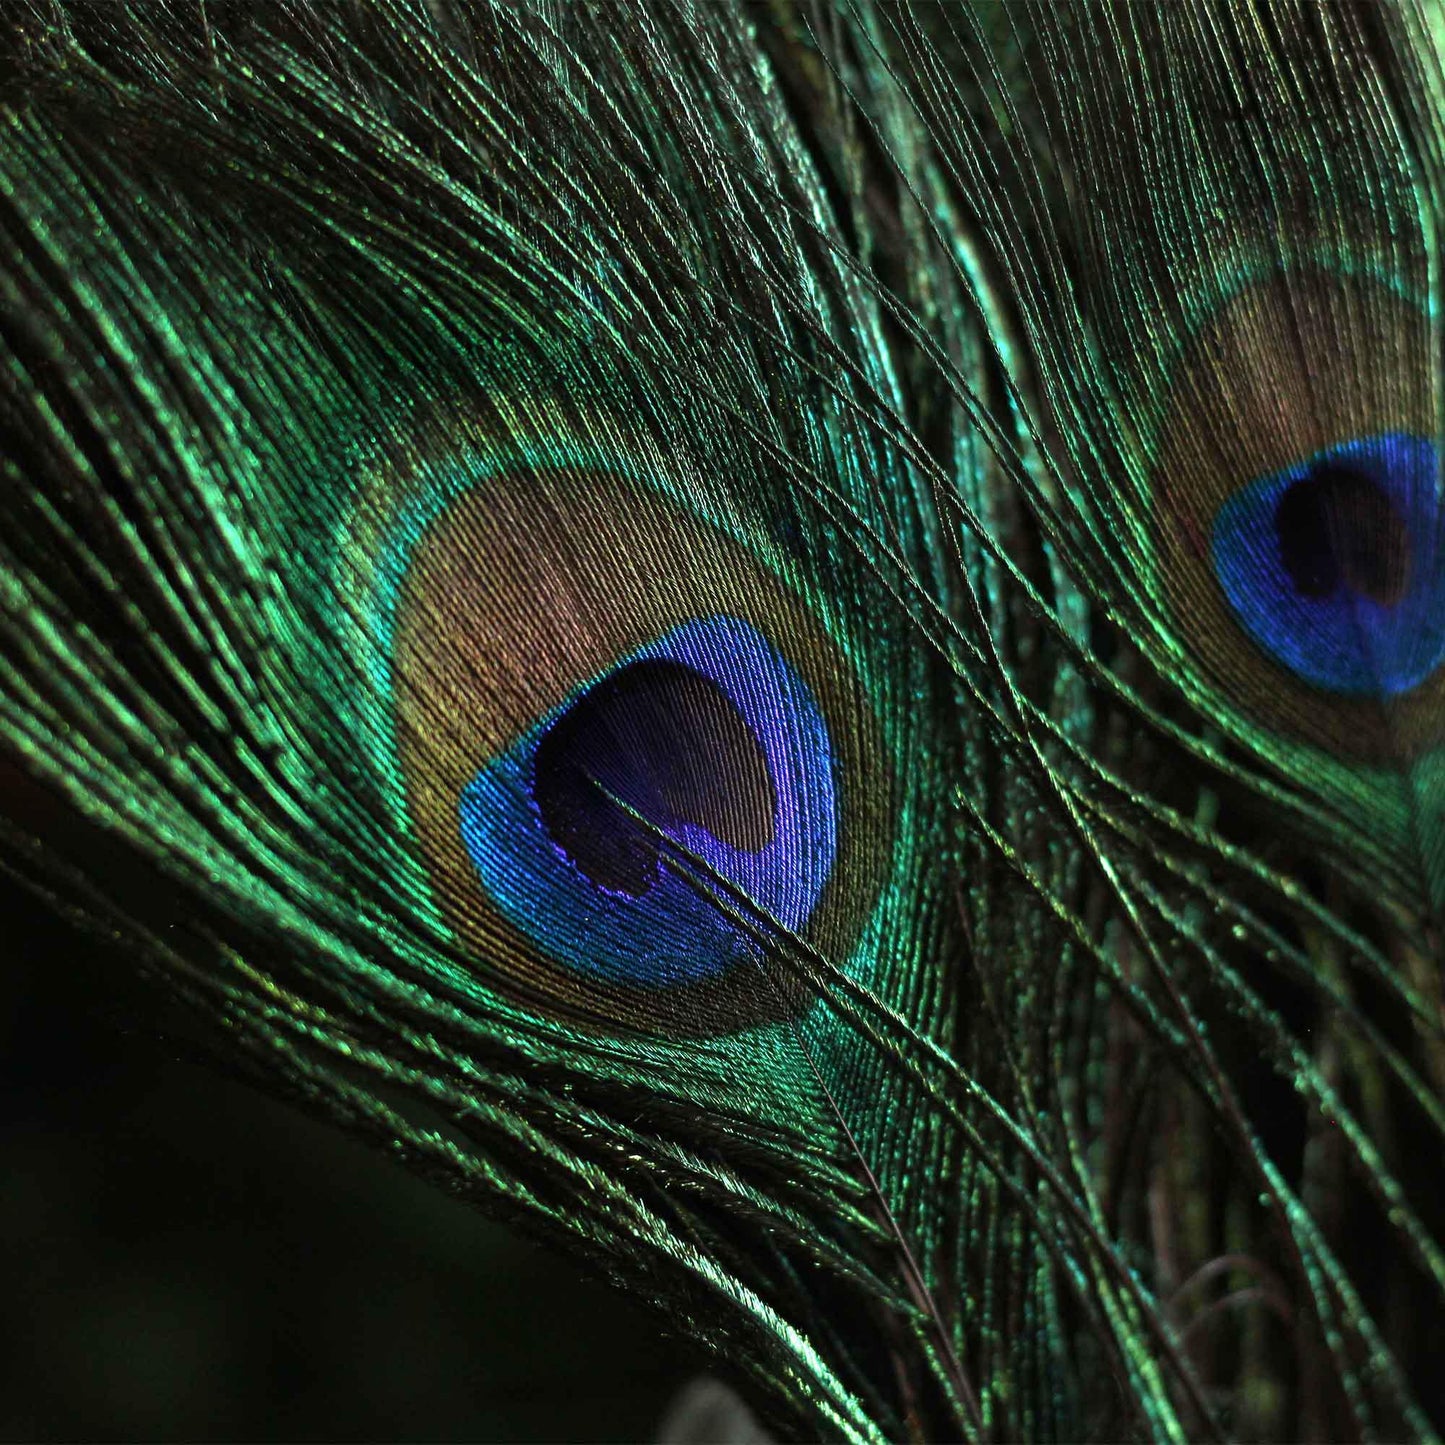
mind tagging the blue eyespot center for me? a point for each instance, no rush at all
(1337, 528)
(1335, 566)
(667, 742)
(707, 737)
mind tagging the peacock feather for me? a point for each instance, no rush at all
(799, 645)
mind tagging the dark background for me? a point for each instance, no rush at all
(186, 1258)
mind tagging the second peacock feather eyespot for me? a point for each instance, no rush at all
(1298, 543)
(1333, 565)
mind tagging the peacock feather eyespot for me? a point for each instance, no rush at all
(1333, 565)
(627, 781)
(711, 737)
(1299, 528)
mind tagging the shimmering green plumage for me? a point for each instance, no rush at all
(794, 645)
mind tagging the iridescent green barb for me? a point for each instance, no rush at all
(799, 645)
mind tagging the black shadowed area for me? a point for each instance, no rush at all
(190, 1259)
